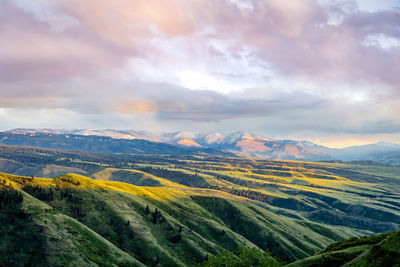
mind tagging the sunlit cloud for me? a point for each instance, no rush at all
(279, 68)
(382, 41)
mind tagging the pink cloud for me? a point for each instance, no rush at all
(66, 49)
(293, 37)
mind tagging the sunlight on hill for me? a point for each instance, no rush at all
(107, 175)
(74, 181)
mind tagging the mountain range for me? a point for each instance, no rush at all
(167, 203)
(242, 144)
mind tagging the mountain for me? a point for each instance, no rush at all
(115, 134)
(377, 151)
(383, 152)
(129, 141)
(242, 144)
(180, 138)
(247, 144)
(104, 144)
(307, 145)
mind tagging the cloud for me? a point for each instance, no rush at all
(134, 106)
(295, 38)
(283, 66)
(46, 47)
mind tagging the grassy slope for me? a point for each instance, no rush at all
(49, 170)
(381, 250)
(354, 200)
(364, 198)
(65, 241)
(71, 242)
(299, 185)
(117, 212)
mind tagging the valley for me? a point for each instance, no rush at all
(222, 133)
(179, 210)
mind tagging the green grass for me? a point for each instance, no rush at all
(42, 236)
(116, 212)
(334, 258)
(378, 250)
(293, 209)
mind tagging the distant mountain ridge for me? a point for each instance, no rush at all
(382, 152)
(236, 143)
(103, 144)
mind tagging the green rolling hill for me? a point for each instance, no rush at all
(129, 210)
(379, 250)
(187, 226)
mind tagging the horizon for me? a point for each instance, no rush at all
(354, 144)
(315, 70)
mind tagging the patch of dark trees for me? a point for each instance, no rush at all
(22, 242)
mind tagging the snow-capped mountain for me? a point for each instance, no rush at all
(239, 143)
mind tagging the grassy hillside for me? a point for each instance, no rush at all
(170, 225)
(35, 234)
(380, 250)
(362, 197)
(162, 210)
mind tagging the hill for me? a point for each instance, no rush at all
(185, 208)
(35, 234)
(363, 198)
(380, 250)
(82, 220)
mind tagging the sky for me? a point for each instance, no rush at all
(325, 71)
